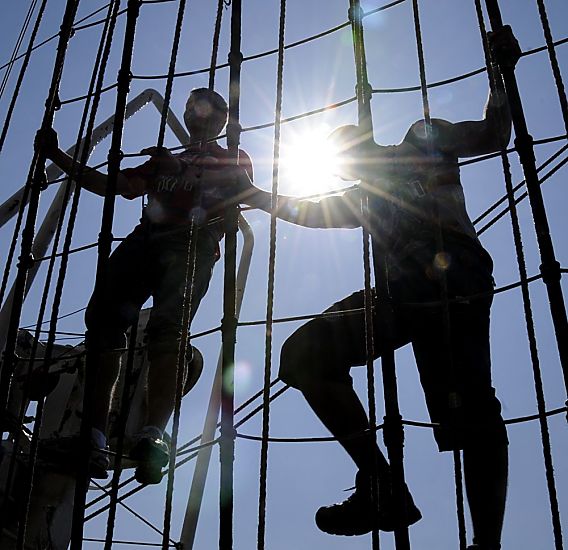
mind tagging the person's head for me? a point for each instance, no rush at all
(353, 147)
(205, 113)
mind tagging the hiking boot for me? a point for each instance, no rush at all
(355, 516)
(63, 454)
(152, 453)
(149, 446)
(99, 460)
(99, 463)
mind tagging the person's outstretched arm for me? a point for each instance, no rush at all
(338, 211)
(92, 180)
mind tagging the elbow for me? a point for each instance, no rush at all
(503, 138)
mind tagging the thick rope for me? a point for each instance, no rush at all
(188, 292)
(497, 87)
(105, 243)
(554, 62)
(447, 328)
(215, 45)
(198, 481)
(261, 530)
(33, 190)
(102, 63)
(35, 182)
(365, 121)
(229, 323)
(5, 127)
(525, 148)
(121, 427)
(99, 62)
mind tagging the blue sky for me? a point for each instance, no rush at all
(315, 267)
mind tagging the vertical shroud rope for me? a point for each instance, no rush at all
(5, 128)
(261, 531)
(393, 432)
(104, 248)
(446, 320)
(195, 497)
(554, 62)
(34, 183)
(363, 93)
(187, 295)
(95, 86)
(497, 87)
(215, 45)
(550, 268)
(14, 240)
(229, 323)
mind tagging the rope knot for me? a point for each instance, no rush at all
(235, 57)
(355, 14)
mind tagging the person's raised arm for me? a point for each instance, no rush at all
(493, 132)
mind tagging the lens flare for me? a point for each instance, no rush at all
(243, 374)
(308, 163)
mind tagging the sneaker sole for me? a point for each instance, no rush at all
(147, 452)
(387, 526)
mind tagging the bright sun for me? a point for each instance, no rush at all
(308, 163)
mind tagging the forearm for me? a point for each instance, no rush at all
(331, 212)
(497, 114)
(92, 180)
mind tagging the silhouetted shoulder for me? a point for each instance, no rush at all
(439, 136)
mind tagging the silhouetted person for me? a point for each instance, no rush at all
(414, 186)
(152, 261)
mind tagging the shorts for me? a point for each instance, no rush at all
(151, 261)
(456, 381)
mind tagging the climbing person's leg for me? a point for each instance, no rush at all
(317, 359)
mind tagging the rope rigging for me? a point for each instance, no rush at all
(261, 530)
(497, 86)
(550, 273)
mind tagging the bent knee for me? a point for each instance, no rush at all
(307, 357)
(479, 425)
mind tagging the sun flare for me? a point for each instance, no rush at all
(308, 163)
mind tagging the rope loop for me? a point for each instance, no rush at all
(524, 147)
(355, 13)
(234, 130)
(550, 272)
(229, 323)
(124, 77)
(27, 261)
(367, 91)
(115, 156)
(393, 432)
(235, 57)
